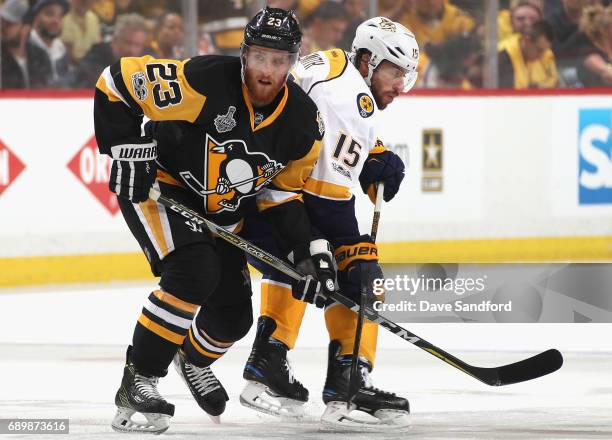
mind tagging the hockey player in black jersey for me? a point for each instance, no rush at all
(238, 133)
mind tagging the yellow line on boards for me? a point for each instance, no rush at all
(21, 271)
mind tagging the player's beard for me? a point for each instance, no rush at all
(262, 94)
(382, 97)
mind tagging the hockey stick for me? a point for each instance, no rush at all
(527, 369)
(353, 377)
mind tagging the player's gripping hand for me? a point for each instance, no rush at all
(134, 169)
(357, 259)
(319, 275)
(385, 166)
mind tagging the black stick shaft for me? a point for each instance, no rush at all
(527, 369)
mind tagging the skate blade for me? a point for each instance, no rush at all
(215, 419)
(156, 423)
(338, 417)
(258, 397)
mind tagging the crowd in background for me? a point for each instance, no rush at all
(540, 43)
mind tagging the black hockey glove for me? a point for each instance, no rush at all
(357, 259)
(382, 166)
(320, 275)
(134, 169)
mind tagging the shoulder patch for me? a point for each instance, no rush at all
(139, 84)
(365, 105)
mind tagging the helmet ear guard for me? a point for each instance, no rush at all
(387, 40)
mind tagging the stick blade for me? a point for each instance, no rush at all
(536, 366)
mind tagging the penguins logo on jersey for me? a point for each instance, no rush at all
(365, 105)
(231, 172)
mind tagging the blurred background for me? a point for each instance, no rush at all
(506, 137)
(466, 44)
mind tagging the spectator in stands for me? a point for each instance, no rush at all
(47, 21)
(169, 36)
(394, 9)
(224, 22)
(564, 21)
(591, 48)
(521, 15)
(455, 63)
(81, 29)
(433, 21)
(23, 64)
(129, 40)
(324, 28)
(527, 61)
(356, 12)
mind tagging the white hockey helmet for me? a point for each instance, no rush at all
(391, 41)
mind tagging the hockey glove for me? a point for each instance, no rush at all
(357, 259)
(382, 166)
(319, 275)
(134, 169)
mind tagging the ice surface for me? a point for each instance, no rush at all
(62, 352)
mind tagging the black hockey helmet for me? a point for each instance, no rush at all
(274, 28)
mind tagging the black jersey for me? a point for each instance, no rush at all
(213, 142)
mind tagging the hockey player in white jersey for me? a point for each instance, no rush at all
(349, 89)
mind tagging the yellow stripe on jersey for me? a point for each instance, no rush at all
(337, 63)
(295, 174)
(160, 88)
(161, 331)
(103, 87)
(176, 302)
(150, 211)
(164, 177)
(327, 190)
(270, 119)
(263, 204)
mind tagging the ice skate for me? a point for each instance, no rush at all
(138, 395)
(204, 386)
(271, 387)
(384, 410)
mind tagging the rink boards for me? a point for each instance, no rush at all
(489, 178)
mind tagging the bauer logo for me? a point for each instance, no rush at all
(10, 167)
(92, 169)
(595, 157)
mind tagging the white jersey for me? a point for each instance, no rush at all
(349, 114)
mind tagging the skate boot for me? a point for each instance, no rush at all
(138, 394)
(389, 411)
(271, 387)
(204, 386)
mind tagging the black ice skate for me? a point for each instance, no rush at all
(138, 394)
(389, 411)
(271, 387)
(204, 386)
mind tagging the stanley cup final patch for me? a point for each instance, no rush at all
(226, 122)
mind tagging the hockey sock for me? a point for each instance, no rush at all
(160, 330)
(278, 304)
(201, 349)
(341, 323)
